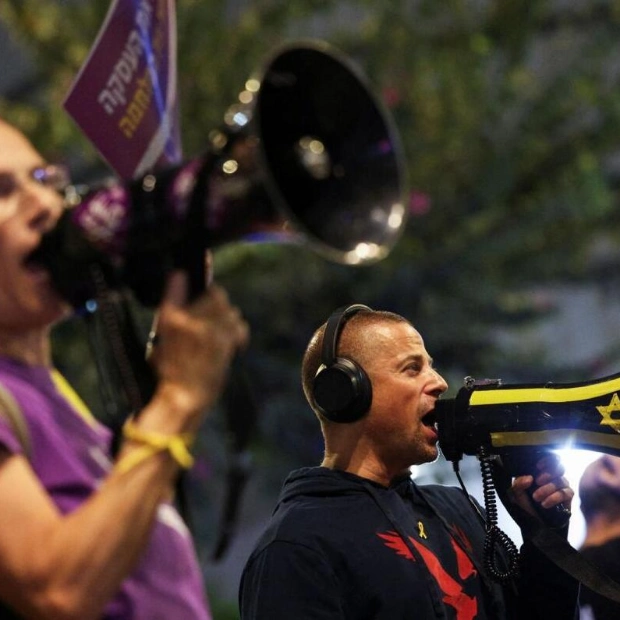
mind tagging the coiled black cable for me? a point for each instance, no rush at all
(495, 538)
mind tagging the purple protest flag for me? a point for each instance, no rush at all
(125, 96)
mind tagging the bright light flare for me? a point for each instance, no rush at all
(575, 462)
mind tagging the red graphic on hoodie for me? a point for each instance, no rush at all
(466, 607)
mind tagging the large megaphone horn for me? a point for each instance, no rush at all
(306, 151)
(516, 420)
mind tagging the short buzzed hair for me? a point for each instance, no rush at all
(599, 489)
(350, 344)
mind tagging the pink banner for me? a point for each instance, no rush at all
(125, 96)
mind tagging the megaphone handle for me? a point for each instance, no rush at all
(194, 257)
(525, 463)
(198, 274)
(194, 254)
(556, 517)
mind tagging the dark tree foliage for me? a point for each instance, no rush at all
(509, 116)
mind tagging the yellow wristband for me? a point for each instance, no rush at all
(153, 443)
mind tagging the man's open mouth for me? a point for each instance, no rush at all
(430, 419)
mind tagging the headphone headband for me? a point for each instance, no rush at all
(334, 326)
(341, 390)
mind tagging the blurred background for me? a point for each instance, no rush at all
(509, 116)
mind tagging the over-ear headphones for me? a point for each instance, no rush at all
(341, 390)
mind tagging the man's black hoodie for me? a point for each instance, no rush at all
(342, 547)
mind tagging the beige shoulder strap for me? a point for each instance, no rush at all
(10, 410)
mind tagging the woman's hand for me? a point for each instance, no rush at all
(195, 345)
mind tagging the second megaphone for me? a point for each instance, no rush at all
(307, 151)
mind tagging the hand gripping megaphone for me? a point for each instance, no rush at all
(307, 152)
(515, 421)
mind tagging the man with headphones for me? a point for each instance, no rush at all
(356, 538)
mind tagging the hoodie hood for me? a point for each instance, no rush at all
(323, 482)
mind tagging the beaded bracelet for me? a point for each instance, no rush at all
(152, 443)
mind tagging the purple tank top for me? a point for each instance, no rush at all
(71, 457)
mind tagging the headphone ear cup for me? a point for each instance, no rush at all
(342, 392)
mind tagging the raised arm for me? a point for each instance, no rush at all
(56, 566)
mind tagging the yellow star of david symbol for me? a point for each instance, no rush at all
(606, 411)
